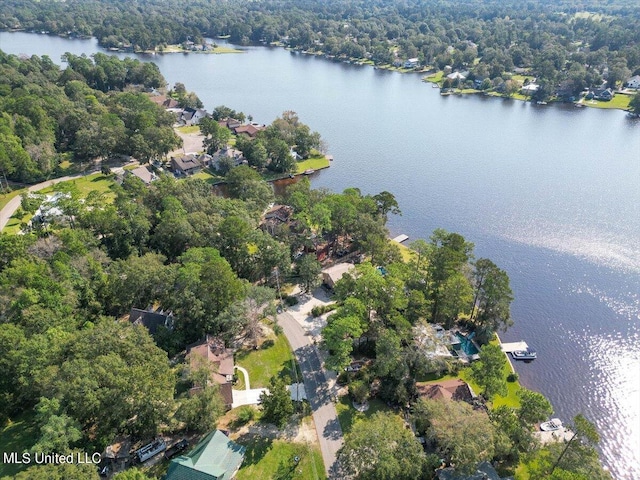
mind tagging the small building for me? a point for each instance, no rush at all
(604, 94)
(453, 389)
(214, 353)
(186, 165)
(634, 82)
(152, 319)
(331, 275)
(192, 116)
(143, 174)
(216, 457)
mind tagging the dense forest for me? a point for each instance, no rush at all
(94, 108)
(571, 44)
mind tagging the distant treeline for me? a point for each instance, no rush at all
(582, 43)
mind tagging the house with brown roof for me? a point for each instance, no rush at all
(186, 165)
(250, 129)
(453, 389)
(331, 275)
(143, 173)
(212, 352)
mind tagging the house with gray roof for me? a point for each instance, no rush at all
(216, 457)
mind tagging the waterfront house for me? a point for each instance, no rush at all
(605, 94)
(192, 116)
(186, 165)
(530, 89)
(234, 154)
(634, 82)
(212, 352)
(216, 457)
(250, 129)
(411, 63)
(152, 319)
(458, 76)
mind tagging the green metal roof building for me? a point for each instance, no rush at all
(216, 457)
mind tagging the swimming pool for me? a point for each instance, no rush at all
(466, 345)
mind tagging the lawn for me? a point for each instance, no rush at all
(85, 185)
(435, 78)
(276, 359)
(189, 129)
(17, 436)
(267, 458)
(619, 101)
(315, 162)
(348, 416)
(406, 252)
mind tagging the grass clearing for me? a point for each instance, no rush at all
(315, 162)
(348, 416)
(435, 77)
(17, 435)
(619, 101)
(187, 129)
(268, 458)
(96, 182)
(274, 357)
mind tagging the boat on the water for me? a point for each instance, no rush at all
(552, 425)
(309, 171)
(524, 354)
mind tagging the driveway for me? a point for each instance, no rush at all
(319, 393)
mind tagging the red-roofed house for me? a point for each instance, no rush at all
(454, 389)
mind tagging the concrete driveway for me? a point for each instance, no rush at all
(319, 392)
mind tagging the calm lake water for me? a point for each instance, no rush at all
(551, 194)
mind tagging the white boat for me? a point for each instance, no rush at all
(524, 355)
(552, 425)
(309, 171)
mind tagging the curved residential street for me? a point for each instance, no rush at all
(318, 391)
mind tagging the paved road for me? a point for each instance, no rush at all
(320, 397)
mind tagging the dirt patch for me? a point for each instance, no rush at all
(296, 431)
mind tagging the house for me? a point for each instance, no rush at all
(170, 103)
(213, 352)
(454, 389)
(151, 319)
(634, 82)
(186, 165)
(228, 152)
(158, 99)
(143, 174)
(411, 63)
(230, 123)
(331, 275)
(192, 116)
(250, 129)
(276, 216)
(216, 457)
(458, 76)
(605, 94)
(49, 209)
(484, 471)
(530, 89)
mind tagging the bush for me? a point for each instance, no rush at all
(359, 391)
(277, 329)
(512, 377)
(245, 415)
(322, 309)
(291, 300)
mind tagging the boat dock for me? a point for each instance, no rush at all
(401, 238)
(514, 346)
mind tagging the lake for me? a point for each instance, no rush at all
(550, 193)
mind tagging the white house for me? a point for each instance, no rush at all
(411, 63)
(634, 82)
